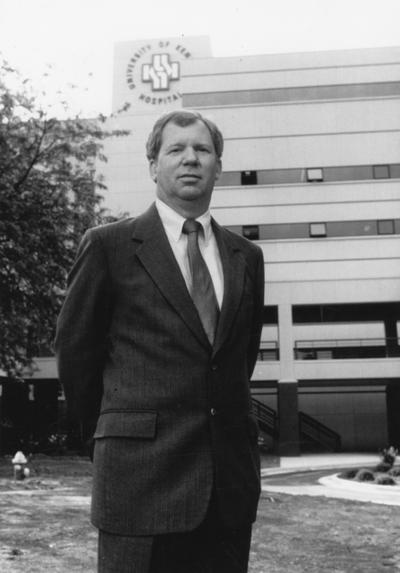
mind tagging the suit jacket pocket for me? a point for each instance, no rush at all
(127, 424)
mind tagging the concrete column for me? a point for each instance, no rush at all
(288, 408)
(392, 409)
(286, 342)
(392, 346)
(1, 418)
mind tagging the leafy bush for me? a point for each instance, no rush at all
(364, 475)
(50, 193)
(383, 467)
(348, 474)
(384, 480)
(389, 455)
(382, 474)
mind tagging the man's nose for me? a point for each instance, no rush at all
(190, 155)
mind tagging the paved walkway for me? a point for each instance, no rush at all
(321, 461)
(331, 485)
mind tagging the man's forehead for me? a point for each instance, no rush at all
(173, 130)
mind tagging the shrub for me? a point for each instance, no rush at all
(389, 455)
(348, 474)
(364, 475)
(383, 467)
(385, 480)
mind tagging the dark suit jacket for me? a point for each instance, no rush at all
(173, 415)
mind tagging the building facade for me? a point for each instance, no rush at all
(311, 172)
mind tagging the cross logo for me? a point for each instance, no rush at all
(160, 72)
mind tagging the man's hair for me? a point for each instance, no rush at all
(183, 118)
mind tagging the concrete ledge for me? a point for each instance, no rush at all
(351, 485)
(332, 486)
(313, 462)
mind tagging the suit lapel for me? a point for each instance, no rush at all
(158, 259)
(233, 265)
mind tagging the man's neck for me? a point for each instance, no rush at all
(190, 211)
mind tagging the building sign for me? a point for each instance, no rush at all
(160, 72)
(154, 70)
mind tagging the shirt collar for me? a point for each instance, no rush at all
(173, 221)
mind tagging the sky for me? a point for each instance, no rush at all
(72, 40)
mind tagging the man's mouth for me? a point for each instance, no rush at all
(189, 176)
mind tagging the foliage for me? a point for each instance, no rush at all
(389, 455)
(364, 475)
(49, 195)
(348, 474)
(382, 467)
(49, 444)
(384, 480)
(382, 474)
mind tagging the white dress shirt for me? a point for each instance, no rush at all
(173, 223)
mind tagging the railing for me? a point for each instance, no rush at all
(346, 348)
(312, 430)
(269, 350)
(267, 418)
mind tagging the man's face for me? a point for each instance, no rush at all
(186, 168)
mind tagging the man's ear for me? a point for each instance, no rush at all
(218, 170)
(153, 170)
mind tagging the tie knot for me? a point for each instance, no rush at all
(191, 226)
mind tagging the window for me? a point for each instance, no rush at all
(284, 231)
(386, 227)
(315, 174)
(228, 179)
(351, 228)
(381, 171)
(394, 169)
(295, 94)
(317, 229)
(306, 230)
(279, 176)
(348, 173)
(251, 232)
(248, 177)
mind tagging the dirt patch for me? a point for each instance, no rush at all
(44, 527)
(44, 520)
(304, 534)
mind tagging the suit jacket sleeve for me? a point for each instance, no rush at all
(82, 327)
(254, 344)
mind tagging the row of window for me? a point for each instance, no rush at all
(317, 230)
(359, 349)
(292, 94)
(309, 175)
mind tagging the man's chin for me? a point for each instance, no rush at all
(191, 193)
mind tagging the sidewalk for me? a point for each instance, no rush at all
(309, 462)
(330, 485)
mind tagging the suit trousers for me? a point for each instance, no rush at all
(210, 548)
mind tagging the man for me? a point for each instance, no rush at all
(156, 344)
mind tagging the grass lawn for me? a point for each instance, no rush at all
(44, 527)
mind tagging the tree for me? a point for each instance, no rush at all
(49, 195)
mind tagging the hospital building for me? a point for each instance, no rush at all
(311, 173)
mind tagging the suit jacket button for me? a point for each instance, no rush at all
(214, 366)
(213, 411)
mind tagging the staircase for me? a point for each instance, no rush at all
(313, 434)
(316, 436)
(267, 418)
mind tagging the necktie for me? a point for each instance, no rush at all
(202, 291)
